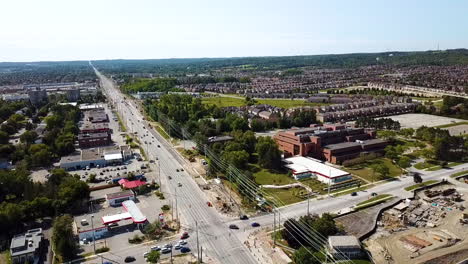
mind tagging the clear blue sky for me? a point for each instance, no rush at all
(110, 29)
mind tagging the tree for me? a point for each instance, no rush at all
(28, 137)
(257, 125)
(381, 169)
(4, 137)
(305, 256)
(269, 156)
(238, 158)
(153, 256)
(63, 237)
(404, 162)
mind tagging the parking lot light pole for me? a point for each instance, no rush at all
(94, 237)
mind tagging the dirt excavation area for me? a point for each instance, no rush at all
(432, 228)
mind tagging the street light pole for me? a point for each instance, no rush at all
(198, 247)
(308, 204)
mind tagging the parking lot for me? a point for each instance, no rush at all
(418, 120)
(117, 238)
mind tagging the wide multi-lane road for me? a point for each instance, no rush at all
(215, 238)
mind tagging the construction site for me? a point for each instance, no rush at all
(423, 229)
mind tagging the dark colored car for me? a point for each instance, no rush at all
(232, 226)
(184, 235)
(129, 259)
(177, 170)
(243, 217)
(159, 146)
(353, 193)
(374, 194)
(184, 250)
(255, 224)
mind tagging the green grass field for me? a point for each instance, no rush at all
(316, 185)
(363, 171)
(229, 101)
(265, 176)
(461, 173)
(376, 198)
(286, 196)
(422, 184)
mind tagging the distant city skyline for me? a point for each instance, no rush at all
(54, 30)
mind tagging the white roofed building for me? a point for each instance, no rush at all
(304, 167)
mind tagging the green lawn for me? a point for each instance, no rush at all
(461, 173)
(363, 171)
(221, 101)
(378, 197)
(316, 185)
(424, 165)
(286, 196)
(265, 176)
(412, 187)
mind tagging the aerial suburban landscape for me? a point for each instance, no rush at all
(256, 154)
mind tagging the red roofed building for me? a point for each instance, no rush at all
(131, 184)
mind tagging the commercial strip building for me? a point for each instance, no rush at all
(324, 142)
(116, 199)
(94, 140)
(303, 167)
(26, 248)
(94, 157)
(89, 226)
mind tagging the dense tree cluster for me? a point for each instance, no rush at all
(149, 85)
(22, 200)
(381, 123)
(63, 238)
(296, 232)
(446, 147)
(181, 67)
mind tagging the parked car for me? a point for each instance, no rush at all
(184, 250)
(185, 235)
(145, 255)
(129, 259)
(166, 250)
(177, 246)
(232, 226)
(156, 248)
(182, 242)
(179, 184)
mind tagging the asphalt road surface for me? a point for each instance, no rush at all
(214, 236)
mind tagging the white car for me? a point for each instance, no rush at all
(177, 246)
(145, 254)
(182, 242)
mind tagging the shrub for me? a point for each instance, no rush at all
(102, 250)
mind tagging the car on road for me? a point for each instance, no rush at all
(209, 204)
(159, 146)
(129, 259)
(255, 224)
(166, 250)
(151, 161)
(185, 235)
(353, 193)
(170, 177)
(179, 184)
(177, 170)
(232, 226)
(374, 194)
(184, 250)
(243, 217)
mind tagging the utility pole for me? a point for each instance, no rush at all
(274, 228)
(198, 247)
(175, 196)
(308, 204)
(201, 254)
(159, 174)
